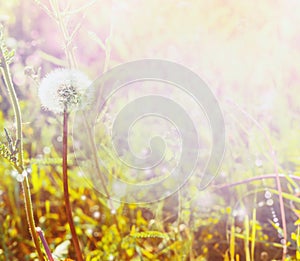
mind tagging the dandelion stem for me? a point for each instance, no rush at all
(20, 167)
(66, 188)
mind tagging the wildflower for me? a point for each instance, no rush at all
(64, 89)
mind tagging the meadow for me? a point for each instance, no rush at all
(66, 192)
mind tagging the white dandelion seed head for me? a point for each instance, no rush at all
(65, 88)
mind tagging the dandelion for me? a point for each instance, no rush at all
(64, 89)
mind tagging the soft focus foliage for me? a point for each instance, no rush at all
(247, 51)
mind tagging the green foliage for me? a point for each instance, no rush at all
(147, 234)
(8, 154)
(190, 225)
(7, 55)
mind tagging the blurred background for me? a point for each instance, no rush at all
(246, 51)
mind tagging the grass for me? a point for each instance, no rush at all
(231, 220)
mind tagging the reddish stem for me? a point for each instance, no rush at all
(266, 176)
(66, 189)
(44, 242)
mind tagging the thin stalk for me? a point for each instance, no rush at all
(20, 166)
(95, 159)
(246, 239)
(45, 244)
(66, 188)
(58, 15)
(253, 234)
(92, 142)
(298, 243)
(232, 242)
(249, 180)
(97, 166)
